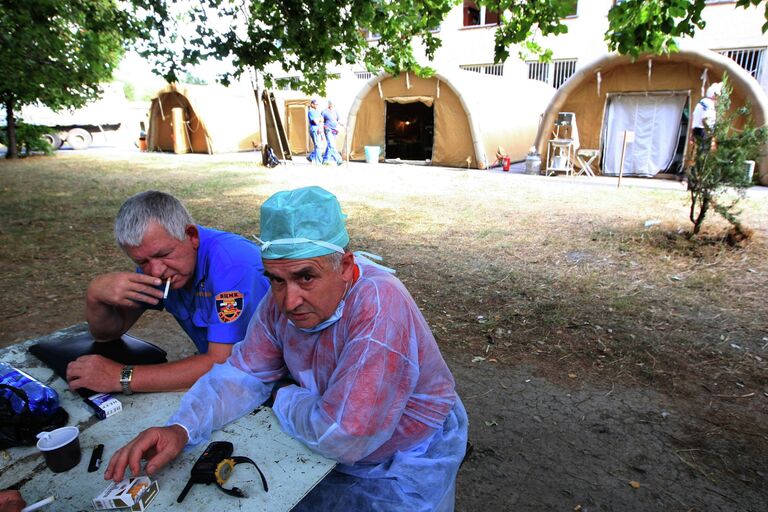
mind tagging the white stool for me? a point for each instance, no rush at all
(585, 157)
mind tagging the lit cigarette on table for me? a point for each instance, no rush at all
(167, 286)
(38, 505)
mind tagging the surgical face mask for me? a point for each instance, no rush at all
(335, 316)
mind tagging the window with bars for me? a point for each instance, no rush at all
(554, 73)
(485, 69)
(750, 59)
(363, 75)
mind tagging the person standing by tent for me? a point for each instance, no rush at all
(316, 133)
(704, 117)
(372, 389)
(331, 124)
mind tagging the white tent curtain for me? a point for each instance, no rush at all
(655, 119)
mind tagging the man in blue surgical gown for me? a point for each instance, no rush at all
(371, 391)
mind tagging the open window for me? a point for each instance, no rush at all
(475, 15)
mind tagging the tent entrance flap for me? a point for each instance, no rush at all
(410, 129)
(656, 121)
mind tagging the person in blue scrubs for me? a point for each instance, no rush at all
(371, 389)
(215, 282)
(316, 133)
(331, 124)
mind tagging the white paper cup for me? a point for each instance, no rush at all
(60, 447)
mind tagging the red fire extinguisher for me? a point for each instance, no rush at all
(505, 163)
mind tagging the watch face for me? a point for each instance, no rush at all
(224, 470)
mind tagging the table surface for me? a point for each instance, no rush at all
(291, 469)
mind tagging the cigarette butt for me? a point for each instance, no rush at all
(167, 286)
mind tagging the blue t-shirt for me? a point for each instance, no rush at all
(331, 119)
(315, 118)
(227, 286)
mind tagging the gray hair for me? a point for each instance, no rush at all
(334, 258)
(140, 210)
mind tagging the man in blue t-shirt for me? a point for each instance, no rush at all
(331, 125)
(214, 281)
(316, 133)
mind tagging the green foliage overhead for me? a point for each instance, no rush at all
(651, 26)
(302, 37)
(305, 37)
(58, 52)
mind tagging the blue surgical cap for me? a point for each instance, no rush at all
(302, 223)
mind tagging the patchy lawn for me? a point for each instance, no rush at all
(556, 276)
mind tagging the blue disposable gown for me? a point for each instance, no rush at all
(373, 393)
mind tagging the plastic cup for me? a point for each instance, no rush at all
(61, 448)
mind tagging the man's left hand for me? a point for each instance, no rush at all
(94, 372)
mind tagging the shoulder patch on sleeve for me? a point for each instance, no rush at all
(229, 306)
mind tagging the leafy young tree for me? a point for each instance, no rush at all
(58, 52)
(717, 169)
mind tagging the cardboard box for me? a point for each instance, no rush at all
(134, 494)
(104, 405)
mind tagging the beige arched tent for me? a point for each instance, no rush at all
(457, 121)
(651, 88)
(203, 119)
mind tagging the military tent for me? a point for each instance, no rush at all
(457, 121)
(203, 119)
(652, 98)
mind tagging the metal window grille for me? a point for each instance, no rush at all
(485, 69)
(554, 73)
(563, 69)
(363, 75)
(750, 59)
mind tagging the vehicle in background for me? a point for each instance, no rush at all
(77, 127)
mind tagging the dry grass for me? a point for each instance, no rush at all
(511, 268)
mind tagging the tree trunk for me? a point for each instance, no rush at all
(703, 207)
(11, 129)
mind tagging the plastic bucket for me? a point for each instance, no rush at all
(372, 154)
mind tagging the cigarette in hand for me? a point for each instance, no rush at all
(38, 505)
(167, 286)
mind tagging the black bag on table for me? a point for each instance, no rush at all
(21, 428)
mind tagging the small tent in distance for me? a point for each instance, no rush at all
(203, 119)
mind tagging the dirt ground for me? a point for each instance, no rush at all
(605, 365)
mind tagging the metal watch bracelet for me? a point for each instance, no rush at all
(126, 374)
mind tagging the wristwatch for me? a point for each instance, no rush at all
(224, 470)
(126, 374)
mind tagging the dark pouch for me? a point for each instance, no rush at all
(57, 354)
(21, 428)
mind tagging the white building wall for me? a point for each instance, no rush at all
(727, 27)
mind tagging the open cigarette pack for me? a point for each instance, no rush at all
(134, 494)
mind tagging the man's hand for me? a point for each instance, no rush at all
(125, 289)
(159, 445)
(11, 501)
(94, 372)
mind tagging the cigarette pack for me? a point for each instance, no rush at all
(134, 493)
(104, 405)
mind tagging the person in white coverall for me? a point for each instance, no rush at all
(371, 391)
